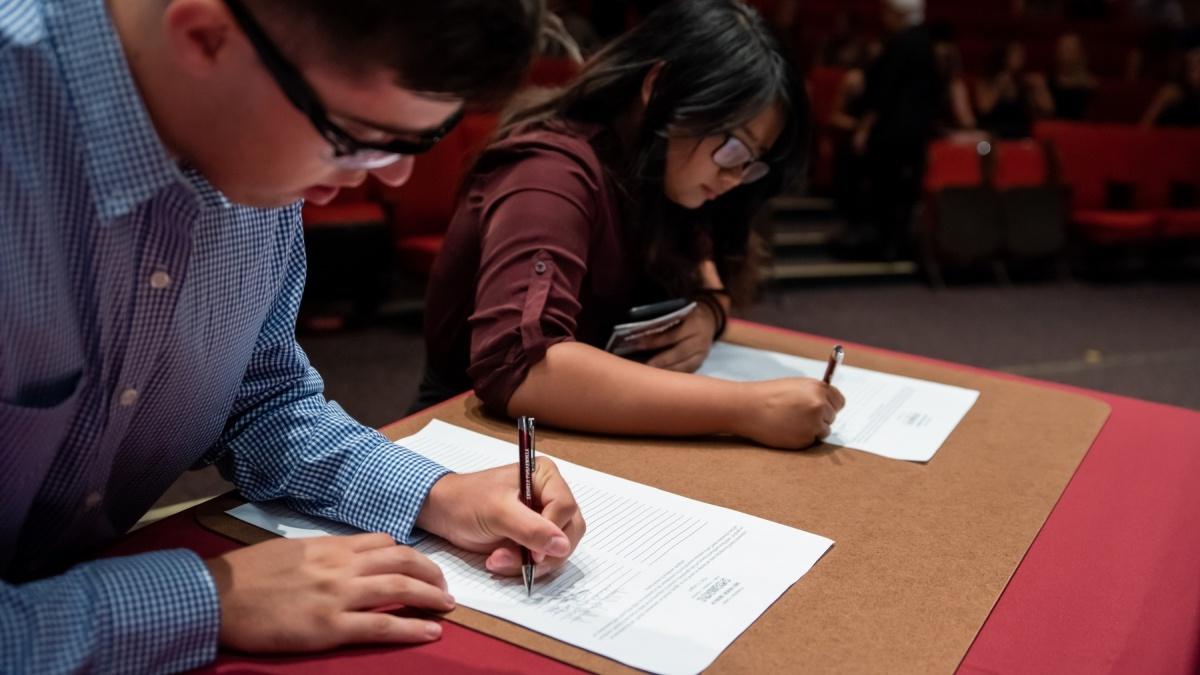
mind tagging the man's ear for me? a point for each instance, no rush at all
(198, 33)
(649, 81)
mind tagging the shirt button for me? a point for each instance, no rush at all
(539, 267)
(93, 500)
(160, 280)
(128, 398)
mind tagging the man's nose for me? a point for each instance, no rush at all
(396, 173)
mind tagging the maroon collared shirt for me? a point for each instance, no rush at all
(533, 256)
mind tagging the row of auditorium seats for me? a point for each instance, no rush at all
(1113, 101)
(1128, 184)
(1104, 186)
(415, 214)
(988, 204)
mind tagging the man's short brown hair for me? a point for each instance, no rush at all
(476, 50)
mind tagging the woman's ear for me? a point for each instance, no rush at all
(648, 82)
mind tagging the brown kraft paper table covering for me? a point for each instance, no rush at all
(922, 550)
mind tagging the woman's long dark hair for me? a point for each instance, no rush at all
(721, 67)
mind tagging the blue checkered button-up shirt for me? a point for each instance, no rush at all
(146, 326)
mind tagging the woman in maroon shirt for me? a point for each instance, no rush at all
(635, 184)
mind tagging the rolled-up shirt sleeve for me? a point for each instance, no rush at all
(538, 217)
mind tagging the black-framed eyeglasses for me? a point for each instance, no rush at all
(348, 151)
(733, 154)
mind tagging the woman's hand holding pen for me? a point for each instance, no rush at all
(481, 512)
(791, 413)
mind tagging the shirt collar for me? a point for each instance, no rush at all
(126, 161)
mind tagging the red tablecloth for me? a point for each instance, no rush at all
(1112, 581)
(1111, 584)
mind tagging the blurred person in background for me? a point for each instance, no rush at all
(849, 165)
(956, 114)
(844, 46)
(902, 100)
(1171, 14)
(1177, 104)
(845, 117)
(1072, 82)
(1008, 97)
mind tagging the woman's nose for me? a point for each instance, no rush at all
(730, 178)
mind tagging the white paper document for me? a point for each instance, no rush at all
(888, 415)
(660, 582)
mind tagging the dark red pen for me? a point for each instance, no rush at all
(526, 444)
(835, 357)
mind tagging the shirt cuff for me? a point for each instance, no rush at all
(388, 491)
(158, 612)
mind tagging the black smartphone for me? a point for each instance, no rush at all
(657, 309)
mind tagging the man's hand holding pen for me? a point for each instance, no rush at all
(481, 512)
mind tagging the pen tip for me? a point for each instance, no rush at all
(527, 575)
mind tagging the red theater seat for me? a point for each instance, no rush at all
(1108, 227)
(1149, 162)
(961, 224)
(953, 164)
(352, 207)
(1180, 223)
(1031, 202)
(1019, 164)
(416, 253)
(552, 72)
(420, 210)
(1093, 159)
(823, 86)
(1177, 165)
